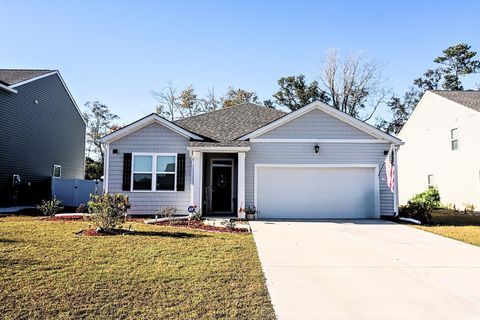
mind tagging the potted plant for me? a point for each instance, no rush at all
(250, 213)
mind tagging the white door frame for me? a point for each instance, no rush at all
(231, 165)
(376, 182)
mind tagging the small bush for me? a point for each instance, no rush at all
(50, 207)
(429, 198)
(229, 224)
(195, 216)
(167, 212)
(82, 208)
(469, 208)
(421, 205)
(109, 210)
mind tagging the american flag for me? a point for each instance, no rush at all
(390, 169)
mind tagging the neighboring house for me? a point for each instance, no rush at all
(316, 162)
(442, 148)
(42, 134)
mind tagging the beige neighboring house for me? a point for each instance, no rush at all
(442, 148)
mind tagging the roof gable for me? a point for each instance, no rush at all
(339, 115)
(148, 120)
(316, 124)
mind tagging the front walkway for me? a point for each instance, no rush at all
(366, 269)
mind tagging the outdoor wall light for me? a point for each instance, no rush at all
(115, 151)
(316, 149)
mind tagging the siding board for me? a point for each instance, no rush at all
(153, 138)
(35, 136)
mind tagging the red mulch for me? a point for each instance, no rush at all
(199, 225)
(66, 218)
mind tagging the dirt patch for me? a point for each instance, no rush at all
(199, 225)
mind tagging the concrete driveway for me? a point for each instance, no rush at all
(367, 269)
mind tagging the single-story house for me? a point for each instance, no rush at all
(315, 162)
(443, 148)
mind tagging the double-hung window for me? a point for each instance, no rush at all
(154, 172)
(454, 138)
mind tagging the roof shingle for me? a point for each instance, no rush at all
(226, 125)
(13, 76)
(470, 99)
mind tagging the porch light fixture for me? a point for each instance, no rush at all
(316, 149)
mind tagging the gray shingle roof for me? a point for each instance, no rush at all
(13, 76)
(470, 99)
(226, 125)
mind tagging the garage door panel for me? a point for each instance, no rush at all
(315, 192)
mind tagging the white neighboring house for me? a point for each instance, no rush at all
(442, 148)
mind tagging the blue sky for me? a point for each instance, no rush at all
(118, 51)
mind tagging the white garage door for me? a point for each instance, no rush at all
(315, 192)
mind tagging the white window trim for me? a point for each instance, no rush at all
(429, 183)
(454, 139)
(53, 172)
(153, 172)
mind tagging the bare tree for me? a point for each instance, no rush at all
(210, 102)
(168, 101)
(354, 84)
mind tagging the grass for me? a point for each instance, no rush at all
(47, 272)
(459, 226)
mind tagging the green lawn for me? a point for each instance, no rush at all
(459, 226)
(46, 271)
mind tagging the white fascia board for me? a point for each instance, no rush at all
(7, 89)
(63, 83)
(153, 118)
(274, 140)
(331, 111)
(219, 149)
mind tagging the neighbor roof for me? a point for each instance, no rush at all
(470, 99)
(226, 125)
(11, 77)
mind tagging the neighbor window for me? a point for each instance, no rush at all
(431, 180)
(154, 172)
(57, 171)
(454, 138)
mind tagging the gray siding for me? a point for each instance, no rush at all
(153, 138)
(330, 153)
(35, 136)
(316, 124)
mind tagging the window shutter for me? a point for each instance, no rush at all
(127, 171)
(181, 172)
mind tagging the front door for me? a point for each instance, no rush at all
(222, 183)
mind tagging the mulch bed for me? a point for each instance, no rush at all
(67, 218)
(199, 225)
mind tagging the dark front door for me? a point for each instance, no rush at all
(222, 187)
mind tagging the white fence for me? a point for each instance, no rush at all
(73, 192)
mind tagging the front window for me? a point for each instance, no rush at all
(154, 172)
(57, 171)
(454, 138)
(431, 180)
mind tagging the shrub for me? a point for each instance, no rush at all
(82, 208)
(167, 212)
(469, 208)
(429, 198)
(50, 207)
(229, 224)
(108, 210)
(195, 216)
(421, 205)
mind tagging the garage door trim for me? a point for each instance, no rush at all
(376, 182)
